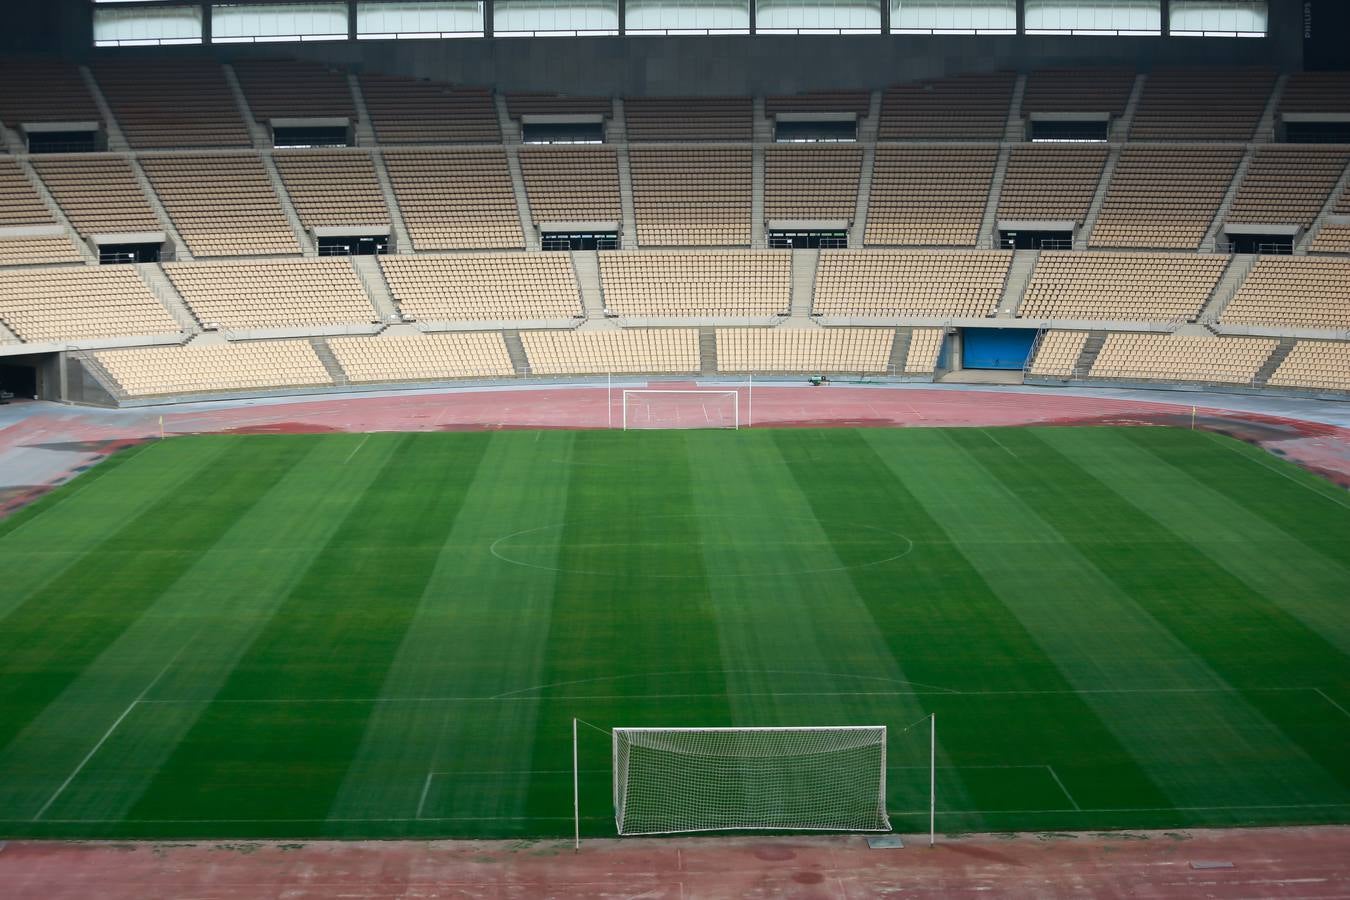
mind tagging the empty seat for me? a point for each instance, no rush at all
(38, 251)
(80, 302)
(288, 88)
(1135, 287)
(805, 182)
(670, 351)
(715, 284)
(214, 368)
(1331, 239)
(1051, 183)
(1087, 90)
(572, 184)
(99, 194)
(1212, 103)
(172, 103)
(333, 187)
(804, 350)
(689, 118)
(453, 199)
(482, 287)
(910, 282)
(423, 357)
(1057, 354)
(689, 196)
(929, 196)
(273, 293)
(1170, 357)
(925, 346)
(1318, 365)
(413, 111)
(965, 107)
(43, 90)
(22, 205)
(1294, 291)
(1287, 185)
(222, 204)
(1164, 197)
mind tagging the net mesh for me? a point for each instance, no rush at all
(646, 409)
(724, 779)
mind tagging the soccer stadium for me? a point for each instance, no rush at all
(674, 448)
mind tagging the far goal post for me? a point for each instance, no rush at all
(648, 408)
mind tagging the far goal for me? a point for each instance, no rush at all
(674, 780)
(650, 408)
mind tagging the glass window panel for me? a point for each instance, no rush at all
(953, 15)
(558, 16)
(419, 17)
(1221, 16)
(818, 15)
(232, 22)
(1094, 15)
(157, 25)
(688, 15)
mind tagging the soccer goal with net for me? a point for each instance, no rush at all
(651, 408)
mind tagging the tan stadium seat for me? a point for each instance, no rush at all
(423, 357)
(273, 293)
(333, 187)
(804, 350)
(1319, 365)
(1051, 183)
(542, 104)
(215, 368)
(80, 302)
(689, 118)
(962, 108)
(1294, 291)
(99, 194)
(456, 199)
(43, 90)
(1057, 354)
(22, 205)
(288, 88)
(1136, 287)
(1087, 90)
(1164, 197)
(856, 102)
(572, 184)
(38, 251)
(925, 346)
(910, 282)
(484, 287)
(1332, 239)
(692, 196)
(172, 103)
(1288, 185)
(413, 111)
(1170, 357)
(929, 196)
(1316, 92)
(807, 182)
(708, 283)
(1210, 104)
(222, 204)
(672, 351)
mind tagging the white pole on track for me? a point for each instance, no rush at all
(750, 404)
(576, 793)
(609, 399)
(932, 782)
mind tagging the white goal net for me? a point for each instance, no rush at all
(650, 408)
(670, 780)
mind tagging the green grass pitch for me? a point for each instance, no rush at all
(388, 635)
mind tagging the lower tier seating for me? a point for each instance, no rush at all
(925, 346)
(273, 293)
(708, 283)
(1134, 287)
(812, 350)
(1058, 353)
(1171, 357)
(215, 368)
(1312, 292)
(37, 251)
(910, 282)
(484, 287)
(1332, 239)
(423, 357)
(80, 302)
(1319, 365)
(671, 351)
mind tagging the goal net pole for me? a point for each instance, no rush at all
(932, 780)
(576, 792)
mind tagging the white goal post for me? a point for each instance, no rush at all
(645, 408)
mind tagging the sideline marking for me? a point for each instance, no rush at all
(1055, 775)
(356, 449)
(1324, 696)
(1263, 464)
(985, 432)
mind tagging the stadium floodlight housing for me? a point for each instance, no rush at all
(651, 408)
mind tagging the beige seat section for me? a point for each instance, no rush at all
(689, 118)
(541, 104)
(572, 184)
(709, 283)
(929, 196)
(1288, 185)
(456, 199)
(43, 90)
(1057, 354)
(1136, 287)
(1212, 103)
(412, 111)
(99, 194)
(856, 102)
(962, 108)
(215, 368)
(1164, 196)
(86, 302)
(1321, 365)
(423, 357)
(1312, 292)
(273, 293)
(288, 88)
(910, 282)
(38, 251)
(222, 205)
(805, 182)
(22, 205)
(692, 196)
(484, 287)
(804, 350)
(1170, 357)
(172, 103)
(925, 346)
(1098, 90)
(1332, 239)
(672, 351)
(1050, 183)
(333, 187)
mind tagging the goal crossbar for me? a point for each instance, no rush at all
(735, 396)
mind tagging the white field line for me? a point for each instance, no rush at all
(1324, 696)
(356, 449)
(1285, 475)
(426, 789)
(1055, 775)
(1004, 447)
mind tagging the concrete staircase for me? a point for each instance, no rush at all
(54, 208)
(586, 265)
(308, 247)
(1015, 287)
(1120, 129)
(511, 130)
(803, 286)
(1326, 212)
(1080, 240)
(402, 237)
(1211, 239)
(616, 126)
(628, 240)
(1265, 129)
(167, 294)
(761, 131)
(1233, 276)
(989, 221)
(522, 198)
(13, 144)
(1016, 130)
(757, 237)
(372, 278)
(1091, 347)
(707, 350)
(899, 350)
(515, 349)
(117, 141)
(364, 129)
(330, 362)
(7, 336)
(1277, 358)
(180, 247)
(262, 140)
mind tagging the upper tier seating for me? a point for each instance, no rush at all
(456, 198)
(1294, 291)
(518, 105)
(1133, 287)
(408, 111)
(1102, 90)
(688, 118)
(273, 293)
(1320, 365)
(692, 196)
(284, 88)
(1316, 92)
(423, 357)
(1287, 185)
(811, 182)
(806, 350)
(99, 194)
(1332, 239)
(925, 346)
(1171, 357)
(39, 90)
(929, 196)
(80, 302)
(173, 103)
(961, 108)
(1343, 202)
(1164, 197)
(572, 184)
(333, 187)
(727, 283)
(910, 283)
(37, 251)
(1058, 353)
(215, 368)
(222, 205)
(22, 205)
(1051, 183)
(1212, 103)
(671, 351)
(819, 101)
(473, 287)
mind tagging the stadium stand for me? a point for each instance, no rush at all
(1343, 203)
(37, 251)
(75, 303)
(1293, 291)
(1095, 90)
(1164, 196)
(22, 205)
(1172, 357)
(822, 350)
(484, 287)
(670, 351)
(99, 194)
(222, 204)
(41, 90)
(214, 368)
(282, 88)
(806, 182)
(1316, 92)
(1288, 185)
(689, 196)
(1057, 354)
(572, 184)
(925, 346)
(1052, 183)
(964, 107)
(172, 103)
(333, 187)
(726, 283)
(273, 293)
(408, 111)
(1320, 365)
(819, 101)
(1212, 104)
(537, 104)
(1331, 239)
(423, 357)
(688, 118)
(909, 282)
(929, 196)
(1136, 287)
(454, 199)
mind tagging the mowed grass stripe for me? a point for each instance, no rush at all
(333, 636)
(950, 633)
(1184, 588)
(60, 628)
